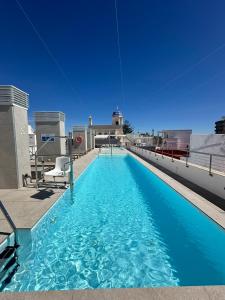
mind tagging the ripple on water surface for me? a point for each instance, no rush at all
(103, 237)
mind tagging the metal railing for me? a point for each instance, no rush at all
(210, 161)
(111, 150)
(9, 220)
(69, 141)
(41, 165)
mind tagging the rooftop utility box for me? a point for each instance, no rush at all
(14, 140)
(50, 126)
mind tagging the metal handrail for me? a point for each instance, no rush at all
(214, 154)
(8, 218)
(190, 151)
(187, 150)
(6, 214)
(46, 155)
(210, 155)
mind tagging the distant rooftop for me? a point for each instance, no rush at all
(172, 130)
(105, 126)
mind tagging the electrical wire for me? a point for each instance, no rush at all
(191, 68)
(45, 45)
(119, 53)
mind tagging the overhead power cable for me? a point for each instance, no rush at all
(119, 53)
(192, 67)
(45, 45)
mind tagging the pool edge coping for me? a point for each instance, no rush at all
(170, 293)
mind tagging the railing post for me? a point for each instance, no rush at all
(187, 161)
(36, 170)
(210, 164)
(172, 156)
(70, 138)
(43, 167)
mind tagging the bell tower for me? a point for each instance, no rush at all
(117, 118)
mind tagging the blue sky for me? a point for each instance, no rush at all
(173, 60)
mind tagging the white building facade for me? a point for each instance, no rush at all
(108, 133)
(176, 139)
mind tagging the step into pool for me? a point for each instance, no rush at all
(120, 227)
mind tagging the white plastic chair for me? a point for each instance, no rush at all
(62, 167)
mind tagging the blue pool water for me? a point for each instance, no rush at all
(121, 227)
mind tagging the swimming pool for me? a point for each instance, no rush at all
(121, 227)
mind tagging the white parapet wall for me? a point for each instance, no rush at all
(214, 183)
(211, 144)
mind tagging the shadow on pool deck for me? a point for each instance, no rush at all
(43, 194)
(216, 200)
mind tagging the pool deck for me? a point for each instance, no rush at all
(174, 293)
(27, 205)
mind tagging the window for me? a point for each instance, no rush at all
(117, 122)
(47, 137)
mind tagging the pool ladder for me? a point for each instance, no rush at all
(8, 257)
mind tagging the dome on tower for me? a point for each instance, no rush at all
(117, 118)
(117, 113)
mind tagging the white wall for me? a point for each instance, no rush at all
(176, 139)
(199, 176)
(208, 143)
